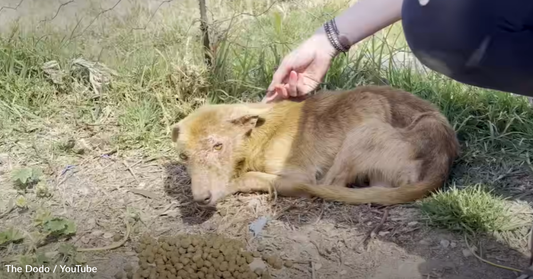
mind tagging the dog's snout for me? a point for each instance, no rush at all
(203, 198)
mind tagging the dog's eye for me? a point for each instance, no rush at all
(183, 157)
(217, 146)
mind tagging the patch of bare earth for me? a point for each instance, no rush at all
(324, 239)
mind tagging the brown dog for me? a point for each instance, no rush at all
(401, 145)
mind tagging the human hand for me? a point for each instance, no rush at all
(302, 70)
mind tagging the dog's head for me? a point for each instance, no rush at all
(211, 143)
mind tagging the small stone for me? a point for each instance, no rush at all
(81, 147)
(453, 244)
(117, 237)
(289, 263)
(445, 243)
(108, 235)
(467, 253)
(424, 242)
(97, 233)
(257, 263)
(318, 266)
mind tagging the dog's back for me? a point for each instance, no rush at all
(377, 132)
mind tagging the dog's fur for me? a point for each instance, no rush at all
(401, 145)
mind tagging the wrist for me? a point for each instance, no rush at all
(339, 41)
(320, 38)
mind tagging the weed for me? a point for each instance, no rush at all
(41, 190)
(52, 226)
(10, 235)
(21, 202)
(26, 177)
(473, 210)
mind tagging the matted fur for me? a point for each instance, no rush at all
(400, 144)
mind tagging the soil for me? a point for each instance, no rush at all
(325, 240)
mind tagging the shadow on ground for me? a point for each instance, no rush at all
(427, 253)
(176, 185)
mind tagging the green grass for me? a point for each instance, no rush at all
(474, 210)
(161, 78)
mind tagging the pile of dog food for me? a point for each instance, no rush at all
(198, 257)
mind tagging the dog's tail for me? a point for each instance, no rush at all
(374, 195)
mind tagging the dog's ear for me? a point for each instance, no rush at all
(175, 132)
(247, 122)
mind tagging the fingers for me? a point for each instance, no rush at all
(292, 84)
(280, 75)
(279, 93)
(271, 96)
(304, 87)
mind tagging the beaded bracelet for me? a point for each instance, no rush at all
(332, 32)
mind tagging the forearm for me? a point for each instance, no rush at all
(366, 17)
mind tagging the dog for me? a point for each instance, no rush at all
(393, 146)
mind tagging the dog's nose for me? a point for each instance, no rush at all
(204, 198)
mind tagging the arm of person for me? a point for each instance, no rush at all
(303, 69)
(365, 18)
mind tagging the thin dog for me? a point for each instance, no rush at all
(392, 145)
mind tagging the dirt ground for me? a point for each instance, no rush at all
(326, 240)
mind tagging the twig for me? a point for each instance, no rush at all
(313, 276)
(131, 171)
(57, 11)
(283, 211)
(113, 245)
(376, 229)
(11, 8)
(95, 18)
(531, 246)
(152, 16)
(488, 262)
(321, 212)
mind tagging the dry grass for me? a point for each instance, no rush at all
(100, 133)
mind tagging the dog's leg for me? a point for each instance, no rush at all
(264, 182)
(254, 182)
(375, 149)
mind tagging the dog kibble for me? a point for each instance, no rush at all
(197, 257)
(289, 263)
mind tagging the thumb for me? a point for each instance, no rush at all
(281, 73)
(271, 95)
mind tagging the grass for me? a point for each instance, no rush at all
(474, 210)
(160, 77)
